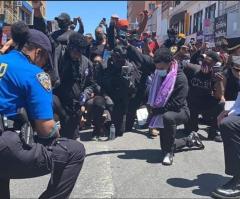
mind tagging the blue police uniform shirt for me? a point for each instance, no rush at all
(23, 84)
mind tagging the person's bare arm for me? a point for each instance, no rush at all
(46, 128)
(6, 46)
(143, 23)
(219, 87)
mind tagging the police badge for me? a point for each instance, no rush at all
(45, 81)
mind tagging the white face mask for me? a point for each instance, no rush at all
(236, 59)
(161, 73)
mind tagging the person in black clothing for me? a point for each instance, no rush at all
(76, 86)
(229, 125)
(204, 98)
(100, 106)
(230, 80)
(99, 44)
(173, 111)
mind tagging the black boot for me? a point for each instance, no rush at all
(228, 191)
(214, 135)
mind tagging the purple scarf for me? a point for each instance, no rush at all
(160, 92)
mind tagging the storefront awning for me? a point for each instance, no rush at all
(177, 17)
(27, 6)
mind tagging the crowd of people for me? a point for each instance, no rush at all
(86, 81)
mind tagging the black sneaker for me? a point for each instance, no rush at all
(194, 141)
(215, 136)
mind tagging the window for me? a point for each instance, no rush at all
(210, 12)
(177, 3)
(151, 6)
(28, 18)
(197, 22)
(190, 25)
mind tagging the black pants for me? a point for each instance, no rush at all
(135, 104)
(95, 110)
(230, 132)
(119, 119)
(170, 121)
(212, 114)
(63, 159)
(68, 119)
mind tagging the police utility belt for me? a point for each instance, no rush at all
(21, 125)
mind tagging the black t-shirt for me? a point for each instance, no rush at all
(201, 88)
(232, 86)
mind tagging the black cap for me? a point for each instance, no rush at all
(64, 17)
(215, 57)
(233, 43)
(39, 38)
(77, 41)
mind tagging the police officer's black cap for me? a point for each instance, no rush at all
(39, 38)
(64, 17)
(77, 41)
(233, 43)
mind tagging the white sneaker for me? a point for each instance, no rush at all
(168, 159)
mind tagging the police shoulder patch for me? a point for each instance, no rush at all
(3, 69)
(45, 81)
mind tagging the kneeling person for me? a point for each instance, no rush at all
(167, 98)
(30, 88)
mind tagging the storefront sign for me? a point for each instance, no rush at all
(220, 29)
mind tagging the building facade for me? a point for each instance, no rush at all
(135, 7)
(229, 12)
(195, 19)
(14, 11)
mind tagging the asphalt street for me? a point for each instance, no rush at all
(130, 167)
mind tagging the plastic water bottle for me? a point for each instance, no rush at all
(112, 132)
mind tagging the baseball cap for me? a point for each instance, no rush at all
(63, 16)
(215, 57)
(233, 43)
(77, 41)
(115, 16)
(39, 38)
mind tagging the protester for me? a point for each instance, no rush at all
(203, 97)
(77, 84)
(230, 130)
(167, 98)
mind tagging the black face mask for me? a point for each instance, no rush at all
(62, 25)
(98, 66)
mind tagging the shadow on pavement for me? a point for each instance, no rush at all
(150, 155)
(204, 183)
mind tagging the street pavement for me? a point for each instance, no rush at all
(130, 167)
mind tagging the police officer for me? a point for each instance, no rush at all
(76, 86)
(23, 84)
(229, 126)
